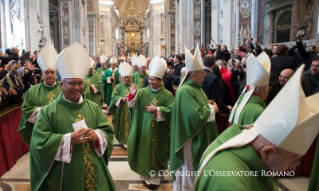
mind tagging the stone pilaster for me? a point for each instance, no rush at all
(270, 15)
(3, 26)
(294, 19)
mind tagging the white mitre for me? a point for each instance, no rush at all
(114, 60)
(125, 69)
(103, 59)
(157, 67)
(192, 62)
(289, 122)
(133, 60)
(73, 62)
(257, 74)
(47, 58)
(141, 61)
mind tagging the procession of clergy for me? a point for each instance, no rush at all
(71, 140)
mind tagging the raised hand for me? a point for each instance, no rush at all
(133, 89)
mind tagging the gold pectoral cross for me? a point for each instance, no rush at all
(154, 101)
(51, 96)
(79, 118)
(127, 92)
(89, 80)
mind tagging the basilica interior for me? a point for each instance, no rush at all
(154, 27)
(148, 27)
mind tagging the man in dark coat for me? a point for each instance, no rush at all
(211, 84)
(281, 62)
(310, 56)
(275, 87)
(310, 79)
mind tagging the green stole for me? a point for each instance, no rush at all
(237, 160)
(122, 115)
(149, 140)
(314, 178)
(86, 171)
(109, 87)
(189, 121)
(37, 96)
(251, 111)
(139, 79)
(96, 81)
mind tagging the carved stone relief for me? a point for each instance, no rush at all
(307, 24)
(244, 35)
(65, 24)
(15, 10)
(245, 8)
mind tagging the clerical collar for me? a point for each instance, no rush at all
(154, 89)
(47, 85)
(80, 101)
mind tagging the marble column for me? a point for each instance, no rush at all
(142, 40)
(3, 26)
(203, 22)
(254, 16)
(123, 40)
(55, 21)
(270, 27)
(294, 19)
(237, 24)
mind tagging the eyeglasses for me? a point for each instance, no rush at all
(295, 163)
(74, 84)
(315, 66)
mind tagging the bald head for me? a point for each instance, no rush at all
(285, 75)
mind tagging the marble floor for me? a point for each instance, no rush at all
(18, 178)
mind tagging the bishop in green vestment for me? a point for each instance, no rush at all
(253, 108)
(72, 139)
(314, 178)
(41, 94)
(193, 123)
(149, 140)
(251, 102)
(110, 80)
(138, 77)
(94, 89)
(236, 160)
(122, 114)
(103, 68)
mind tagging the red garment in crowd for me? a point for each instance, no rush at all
(227, 77)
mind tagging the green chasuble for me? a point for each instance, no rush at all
(109, 87)
(86, 171)
(148, 142)
(101, 71)
(189, 121)
(37, 96)
(251, 111)
(122, 115)
(314, 178)
(234, 160)
(139, 79)
(96, 81)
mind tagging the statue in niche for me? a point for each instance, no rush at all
(16, 13)
(40, 29)
(307, 24)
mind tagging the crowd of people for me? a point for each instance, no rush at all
(172, 108)
(17, 74)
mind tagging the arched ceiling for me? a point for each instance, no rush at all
(128, 8)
